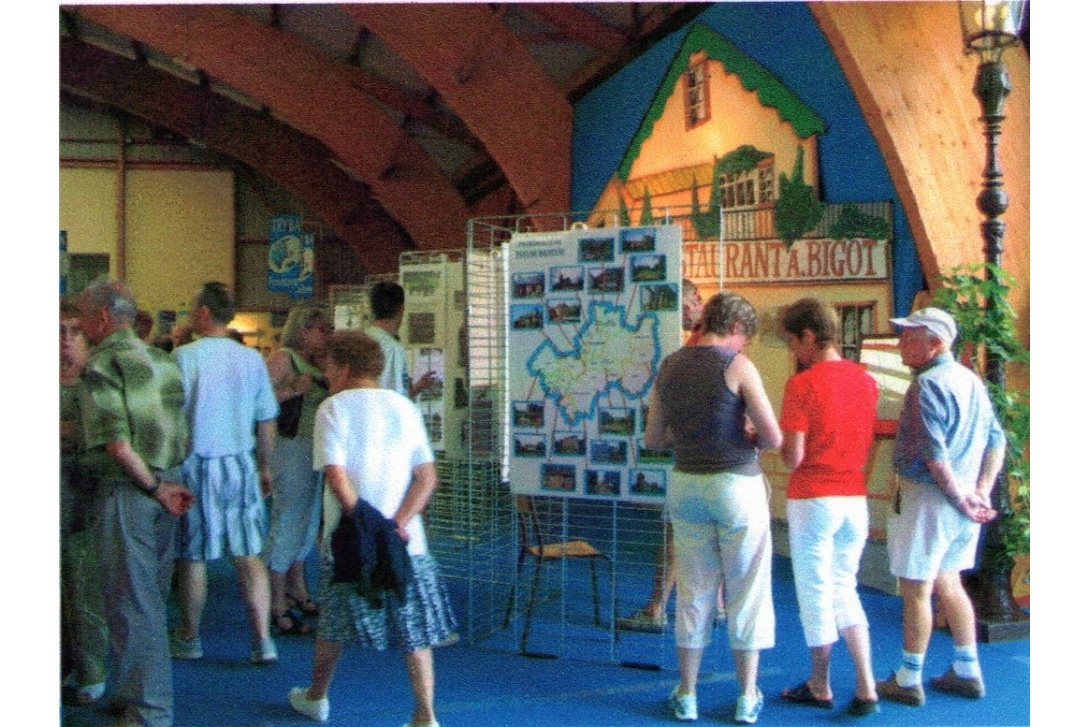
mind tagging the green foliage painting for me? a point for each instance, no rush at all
(798, 210)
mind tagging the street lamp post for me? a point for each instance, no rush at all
(988, 28)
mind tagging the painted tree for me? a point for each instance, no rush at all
(798, 210)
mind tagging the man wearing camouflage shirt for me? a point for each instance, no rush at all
(135, 436)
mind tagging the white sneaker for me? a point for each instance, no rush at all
(264, 652)
(684, 705)
(747, 709)
(316, 709)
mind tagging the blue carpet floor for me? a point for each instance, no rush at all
(489, 683)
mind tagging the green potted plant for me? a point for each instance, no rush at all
(977, 297)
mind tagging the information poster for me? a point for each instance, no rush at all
(592, 314)
(291, 257)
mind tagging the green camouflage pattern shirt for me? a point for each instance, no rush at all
(132, 392)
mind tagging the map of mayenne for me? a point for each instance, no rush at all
(606, 353)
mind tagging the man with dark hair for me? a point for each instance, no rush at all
(135, 437)
(388, 309)
(227, 392)
(948, 453)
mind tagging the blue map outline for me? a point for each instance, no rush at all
(576, 352)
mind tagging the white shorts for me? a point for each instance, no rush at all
(930, 535)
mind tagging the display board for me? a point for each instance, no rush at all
(432, 332)
(592, 314)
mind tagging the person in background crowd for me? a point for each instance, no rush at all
(388, 309)
(135, 441)
(828, 416)
(144, 325)
(86, 637)
(708, 402)
(651, 618)
(228, 396)
(300, 387)
(372, 446)
(948, 452)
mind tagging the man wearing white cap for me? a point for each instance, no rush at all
(948, 452)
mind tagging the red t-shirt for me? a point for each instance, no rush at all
(834, 404)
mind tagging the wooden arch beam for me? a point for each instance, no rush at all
(904, 63)
(488, 78)
(298, 163)
(309, 91)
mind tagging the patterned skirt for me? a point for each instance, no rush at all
(425, 619)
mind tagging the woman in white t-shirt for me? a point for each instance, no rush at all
(371, 445)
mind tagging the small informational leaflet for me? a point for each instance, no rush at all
(592, 314)
(291, 257)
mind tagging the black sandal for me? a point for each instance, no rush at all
(306, 606)
(295, 626)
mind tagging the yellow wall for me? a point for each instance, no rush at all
(179, 228)
(88, 210)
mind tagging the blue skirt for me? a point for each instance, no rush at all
(425, 619)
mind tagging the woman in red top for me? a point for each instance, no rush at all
(828, 417)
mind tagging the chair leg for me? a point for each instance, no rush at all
(511, 597)
(530, 607)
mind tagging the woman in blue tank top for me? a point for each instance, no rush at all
(709, 403)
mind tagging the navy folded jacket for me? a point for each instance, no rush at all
(368, 551)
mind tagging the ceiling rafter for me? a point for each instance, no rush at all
(581, 25)
(295, 161)
(489, 79)
(308, 89)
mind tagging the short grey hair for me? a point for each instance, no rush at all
(114, 297)
(723, 310)
(299, 318)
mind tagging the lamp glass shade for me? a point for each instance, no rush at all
(990, 25)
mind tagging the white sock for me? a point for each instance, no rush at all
(966, 664)
(910, 673)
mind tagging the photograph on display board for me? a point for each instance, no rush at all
(596, 250)
(566, 278)
(647, 482)
(654, 455)
(606, 280)
(569, 444)
(528, 413)
(529, 445)
(640, 239)
(527, 316)
(564, 311)
(618, 421)
(421, 283)
(608, 451)
(582, 366)
(603, 483)
(558, 477)
(528, 285)
(648, 268)
(659, 297)
(421, 328)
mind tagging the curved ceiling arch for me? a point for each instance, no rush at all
(929, 132)
(307, 89)
(489, 79)
(296, 162)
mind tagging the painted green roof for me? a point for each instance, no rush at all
(771, 91)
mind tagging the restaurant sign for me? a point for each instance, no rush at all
(770, 261)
